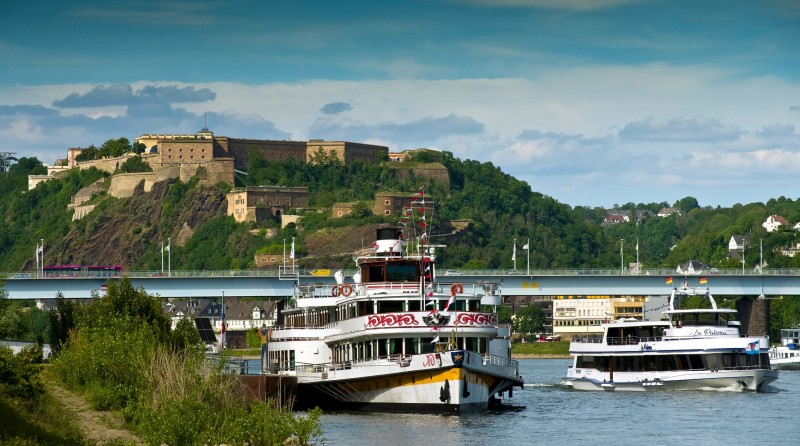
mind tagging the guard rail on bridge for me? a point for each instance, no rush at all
(539, 282)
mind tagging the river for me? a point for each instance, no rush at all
(547, 413)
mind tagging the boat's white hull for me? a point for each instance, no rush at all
(786, 364)
(423, 385)
(744, 380)
(783, 358)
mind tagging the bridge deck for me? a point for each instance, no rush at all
(276, 284)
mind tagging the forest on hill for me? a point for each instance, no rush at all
(499, 209)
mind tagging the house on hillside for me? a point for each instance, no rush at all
(774, 222)
(737, 243)
(616, 216)
(666, 212)
(790, 251)
(693, 267)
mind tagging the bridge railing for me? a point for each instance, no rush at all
(442, 275)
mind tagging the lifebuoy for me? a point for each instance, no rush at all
(346, 290)
(335, 291)
(457, 288)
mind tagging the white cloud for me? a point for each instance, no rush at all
(590, 135)
(682, 129)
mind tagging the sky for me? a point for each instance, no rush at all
(591, 102)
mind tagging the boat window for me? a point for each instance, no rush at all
(400, 273)
(414, 305)
(654, 363)
(374, 273)
(364, 308)
(390, 306)
(410, 346)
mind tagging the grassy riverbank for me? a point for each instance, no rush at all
(540, 350)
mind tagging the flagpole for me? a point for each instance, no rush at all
(41, 252)
(222, 329)
(514, 255)
(529, 255)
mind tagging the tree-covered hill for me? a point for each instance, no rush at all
(493, 208)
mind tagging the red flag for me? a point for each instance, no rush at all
(450, 301)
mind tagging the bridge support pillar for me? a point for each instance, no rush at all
(754, 315)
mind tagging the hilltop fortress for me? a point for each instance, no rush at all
(215, 158)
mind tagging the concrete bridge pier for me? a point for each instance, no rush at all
(753, 313)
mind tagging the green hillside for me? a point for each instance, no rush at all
(497, 207)
(492, 208)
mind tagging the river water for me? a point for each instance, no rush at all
(547, 413)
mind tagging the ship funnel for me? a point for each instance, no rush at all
(389, 242)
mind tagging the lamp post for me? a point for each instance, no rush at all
(621, 256)
(744, 243)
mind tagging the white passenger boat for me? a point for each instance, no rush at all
(396, 338)
(786, 356)
(687, 349)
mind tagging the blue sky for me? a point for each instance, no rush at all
(592, 102)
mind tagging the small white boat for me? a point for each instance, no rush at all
(396, 338)
(687, 349)
(786, 356)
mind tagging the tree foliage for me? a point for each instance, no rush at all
(529, 321)
(123, 355)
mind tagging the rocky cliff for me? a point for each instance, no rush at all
(120, 231)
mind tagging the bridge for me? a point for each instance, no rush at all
(274, 284)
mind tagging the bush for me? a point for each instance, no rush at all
(122, 354)
(19, 374)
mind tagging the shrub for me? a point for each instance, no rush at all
(122, 354)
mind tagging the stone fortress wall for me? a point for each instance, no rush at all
(215, 158)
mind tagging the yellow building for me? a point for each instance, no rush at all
(259, 203)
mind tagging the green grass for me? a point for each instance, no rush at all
(40, 421)
(242, 352)
(541, 348)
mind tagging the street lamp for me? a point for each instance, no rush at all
(744, 243)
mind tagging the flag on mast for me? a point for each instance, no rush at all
(514, 252)
(450, 302)
(291, 253)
